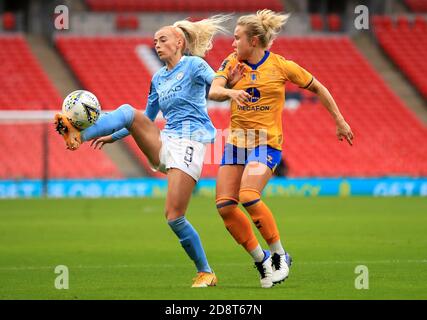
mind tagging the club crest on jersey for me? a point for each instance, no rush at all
(255, 94)
(179, 76)
(253, 77)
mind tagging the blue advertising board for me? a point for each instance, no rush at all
(150, 187)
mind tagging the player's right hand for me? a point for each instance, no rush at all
(98, 143)
(240, 96)
(236, 74)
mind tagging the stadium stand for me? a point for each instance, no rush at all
(25, 153)
(183, 5)
(404, 42)
(24, 85)
(417, 5)
(109, 67)
(388, 134)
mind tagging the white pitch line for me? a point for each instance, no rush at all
(124, 266)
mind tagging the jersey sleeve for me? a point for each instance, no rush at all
(120, 134)
(296, 74)
(152, 108)
(203, 72)
(225, 67)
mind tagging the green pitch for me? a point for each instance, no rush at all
(124, 249)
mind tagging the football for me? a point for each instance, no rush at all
(82, 108)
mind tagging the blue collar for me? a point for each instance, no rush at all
(255, 66)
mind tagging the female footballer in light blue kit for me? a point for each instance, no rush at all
(179, 91)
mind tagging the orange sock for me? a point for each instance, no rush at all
(236, 222)
(260, 214)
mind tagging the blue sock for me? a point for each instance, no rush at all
(110, 122)
(191, 243)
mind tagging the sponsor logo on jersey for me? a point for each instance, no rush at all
(253, 108)
(255, 94)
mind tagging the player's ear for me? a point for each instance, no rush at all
(254, 41)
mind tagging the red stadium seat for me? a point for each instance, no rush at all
(402, 22)
(420, 23)
(317, 23)
(9, 21)
(382, 22)
(334, 22)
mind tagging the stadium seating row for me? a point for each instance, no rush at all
(417, 5)
(26, 154)
(402, 22)
(24, 84)
(331, 22)
(404, 44)
(183, 5)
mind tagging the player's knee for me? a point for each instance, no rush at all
(226, 207)
(248, 197)
(128, 112)
(172, 213)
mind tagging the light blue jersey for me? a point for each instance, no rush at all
(181, 96)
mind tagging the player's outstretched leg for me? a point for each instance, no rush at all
(107, 124)
(145, 133)
(70, 134)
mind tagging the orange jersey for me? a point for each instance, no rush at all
(265, 82)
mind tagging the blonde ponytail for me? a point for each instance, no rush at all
(199, 35)
(265, 25)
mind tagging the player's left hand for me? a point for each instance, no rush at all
(344, 131)
(98, 143)
(236, 74)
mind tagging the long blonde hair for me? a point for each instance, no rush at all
(198, 35)
(265, 25)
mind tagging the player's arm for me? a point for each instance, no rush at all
(218, 92)
(151, 111)
(325, 97)
(301, 77)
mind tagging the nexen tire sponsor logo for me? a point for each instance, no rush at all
(253, 108)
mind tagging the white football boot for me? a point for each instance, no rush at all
(281, 264)
(265, 270)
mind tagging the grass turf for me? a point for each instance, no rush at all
(123, 249)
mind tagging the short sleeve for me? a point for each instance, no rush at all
(296, 74)
(152, 108)
(225, 67)
(202, 71)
